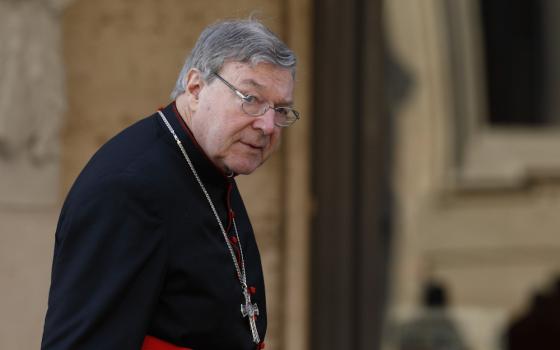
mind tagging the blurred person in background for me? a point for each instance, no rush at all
(154, 248)
(433, 328)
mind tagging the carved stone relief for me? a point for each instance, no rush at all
(32, 100)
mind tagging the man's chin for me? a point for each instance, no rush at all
(243, 168)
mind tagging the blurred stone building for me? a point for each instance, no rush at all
(477, 149)
(428, 149)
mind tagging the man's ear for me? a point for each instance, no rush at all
(193, 86)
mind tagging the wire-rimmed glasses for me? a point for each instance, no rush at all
(283, 116)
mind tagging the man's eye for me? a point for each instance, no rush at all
(282, 110)
(251, 99)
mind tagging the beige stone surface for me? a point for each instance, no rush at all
(297, 182)
(26, 245)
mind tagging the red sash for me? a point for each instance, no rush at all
(153, 343)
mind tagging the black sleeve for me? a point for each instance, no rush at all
(108, 267)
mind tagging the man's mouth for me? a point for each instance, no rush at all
(254, 145)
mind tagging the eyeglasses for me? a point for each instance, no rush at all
(283, 116)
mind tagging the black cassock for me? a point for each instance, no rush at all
(139, 252)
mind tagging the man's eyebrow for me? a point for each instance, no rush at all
(258, 86)
(252, 82)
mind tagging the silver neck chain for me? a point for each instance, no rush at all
(241, 274)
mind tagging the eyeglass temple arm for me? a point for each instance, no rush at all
(237, 92)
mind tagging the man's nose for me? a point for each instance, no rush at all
(265, 122)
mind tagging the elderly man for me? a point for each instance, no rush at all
(154, 249)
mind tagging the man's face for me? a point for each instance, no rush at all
(232, 139)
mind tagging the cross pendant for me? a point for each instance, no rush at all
(251, 311)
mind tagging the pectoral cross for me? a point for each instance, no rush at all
(252, 311)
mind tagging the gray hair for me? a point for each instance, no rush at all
(246, 41)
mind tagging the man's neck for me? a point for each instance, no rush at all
(182, 107)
